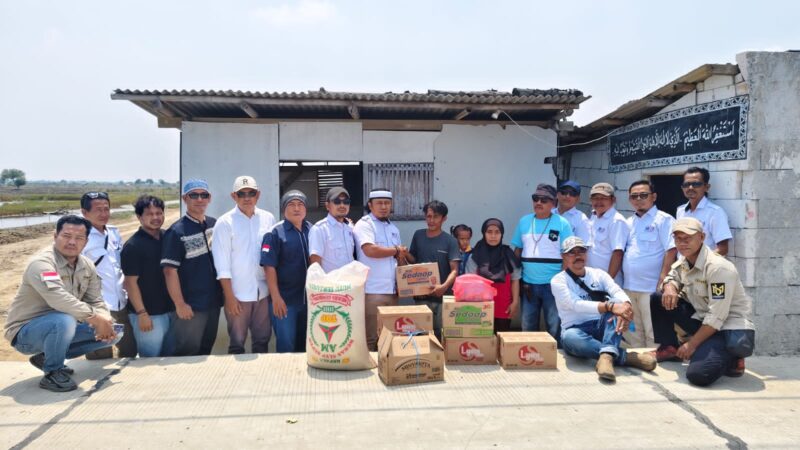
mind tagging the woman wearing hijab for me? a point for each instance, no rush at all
(495, 261)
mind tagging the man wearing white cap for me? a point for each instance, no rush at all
(237, 251)
(608, 232)
(330, 240)
(378, 244)
(703, 294)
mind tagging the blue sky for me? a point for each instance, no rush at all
(61, 60)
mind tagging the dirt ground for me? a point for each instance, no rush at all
(14, 257)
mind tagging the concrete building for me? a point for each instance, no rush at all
(482, 153)
(756, 178)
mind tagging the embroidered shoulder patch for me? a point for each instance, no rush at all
(717, 291)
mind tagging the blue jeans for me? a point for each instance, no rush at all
(539, 298)
(589, 339)
(290, 332)
(151, 342)
(60, 337)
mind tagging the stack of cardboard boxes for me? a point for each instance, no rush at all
(468, 332)
(408, 351)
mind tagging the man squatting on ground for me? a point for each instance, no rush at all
(594, 312)
(59, 311)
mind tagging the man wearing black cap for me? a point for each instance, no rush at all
(568, 196)
(284, 256)
(331, 239)
(538, 240)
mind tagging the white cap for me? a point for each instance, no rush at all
(244, 182)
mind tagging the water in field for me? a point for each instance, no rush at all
(26, 221)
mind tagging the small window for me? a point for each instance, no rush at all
(411, 185)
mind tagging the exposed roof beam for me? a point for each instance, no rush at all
(658, 102)
(381, 124)
(249, 110)
(463, 113)
(159, 107)
(353, 110)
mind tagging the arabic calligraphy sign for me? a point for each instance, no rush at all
(715, 131)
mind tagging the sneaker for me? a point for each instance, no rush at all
(38, 361)
(642, 361)
(665, 353)
(605, 367)
(57, 381)
(736, 369)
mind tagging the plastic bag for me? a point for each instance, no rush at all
(337, 337)
(473, 288)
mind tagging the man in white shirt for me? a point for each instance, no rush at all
(236, 249)
(608, 232)
(569, 195)
(649, 253)
(715, 222)
(594, 312)
(378, 246)
(104, 249)
(330, 241)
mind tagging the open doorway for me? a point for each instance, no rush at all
(670, 194)
(315, 178)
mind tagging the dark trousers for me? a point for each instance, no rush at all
(255, 318)
(714, 356)
(126, 347)
(195, 336)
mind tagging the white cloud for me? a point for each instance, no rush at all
(304, 12)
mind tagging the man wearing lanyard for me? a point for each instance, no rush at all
(191, 277)
(378, 245)
(538, 240)
(331, 239)
(284, 256)
(237, 249)
(715, 222)
(105, 250)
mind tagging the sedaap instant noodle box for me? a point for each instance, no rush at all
(467, 319)
(405, 318)
(481, 350)
(406, 358)
(527, 350)
(417, 279)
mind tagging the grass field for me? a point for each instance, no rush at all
(38, 198)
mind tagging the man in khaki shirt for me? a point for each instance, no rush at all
(704, 295)
(58, 311)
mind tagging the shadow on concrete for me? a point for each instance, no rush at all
(27, 391)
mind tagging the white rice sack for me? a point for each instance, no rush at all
(337, 336)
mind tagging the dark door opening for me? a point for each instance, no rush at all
(315, 178)
(670, 195)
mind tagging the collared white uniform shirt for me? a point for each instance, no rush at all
(332, 241)
(713, 218)
(370, 230)
(110, 267)
(649, 238)
(606, 234)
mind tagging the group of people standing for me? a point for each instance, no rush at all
(161, 293)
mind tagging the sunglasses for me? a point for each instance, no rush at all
(569, 192)
(96, 195)
(640, 196)
(577, 251)
(694, 184)
(196, 195)
(540, 199)
(245, 194)
(340, 201)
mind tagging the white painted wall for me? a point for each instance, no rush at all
(219, 152)
(321, 141)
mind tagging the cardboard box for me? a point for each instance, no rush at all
(404, 319)
(417, 279)
(408, 360)
(467, 319)
(471, 350)
(527, 350)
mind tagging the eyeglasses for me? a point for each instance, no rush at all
(196, 195)
(640, 196)
(241, 194)
(694, 184)
(540, 199)
(96, 195)
(340, 201)
(569, 192)
(577, 251)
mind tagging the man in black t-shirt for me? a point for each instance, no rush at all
(191, 277)
(434, 245)
(149, 304)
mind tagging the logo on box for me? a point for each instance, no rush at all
(470, 351)
(405, 325)
(529, 355)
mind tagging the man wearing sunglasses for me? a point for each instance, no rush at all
(191, 277)
(104, 248)
(537, 240)
(649, 253)
(715, 222)
(237, 251)
(568, 196)
(330, 240)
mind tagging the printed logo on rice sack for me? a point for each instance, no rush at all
(419, 275)
(528, 355)
(405, 325)
(468, 315)
(469, 351)
(330, 333)
(325, 297)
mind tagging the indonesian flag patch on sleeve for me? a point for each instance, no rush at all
(50, 276)
(717, 291)
(265, 248)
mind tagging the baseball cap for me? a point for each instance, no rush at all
(570, 184)
(244, 182)
(688, 225)
(572, 242)
(193, 185)
(603, 189)
(335, 192)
